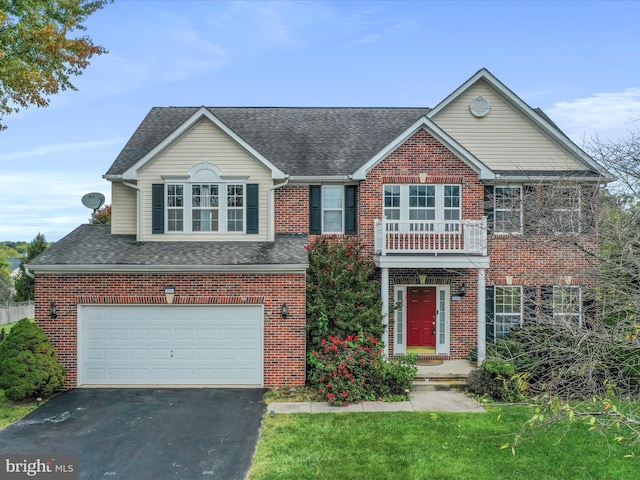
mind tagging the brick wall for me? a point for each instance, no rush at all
(531, 261)
(284, 339)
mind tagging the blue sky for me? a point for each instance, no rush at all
(577, 60)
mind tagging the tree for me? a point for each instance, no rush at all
(5, 281)
(24, 284)
(102, 216)
(590, 372)
(38, 52)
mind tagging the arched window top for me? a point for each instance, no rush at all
(205, 172)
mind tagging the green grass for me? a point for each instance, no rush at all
(442, 446)
(10, 412)
(7, 327)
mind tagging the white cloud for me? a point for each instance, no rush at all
(45, 202)
(274, 28)
(189, 55)
(609, 116)
(57, 148)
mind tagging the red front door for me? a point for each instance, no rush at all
(421, 317)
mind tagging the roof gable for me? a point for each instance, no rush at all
(452, 145)
(534, 117)
(131, 173)
(300, 142)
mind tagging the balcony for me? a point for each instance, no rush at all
(461, 237)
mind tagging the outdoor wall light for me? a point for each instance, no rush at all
(169, 292)
(53, 311)
(463, 289)
(284, 310)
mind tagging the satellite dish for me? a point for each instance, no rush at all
(93, 200)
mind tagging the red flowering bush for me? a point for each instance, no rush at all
(343, 291)
(346, 365)
(345, 369)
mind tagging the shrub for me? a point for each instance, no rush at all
(395, 377)
(28, 364)
(343, 370)
(343, 293)
(354, 369)
(499, 380)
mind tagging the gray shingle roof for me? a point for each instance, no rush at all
(94, 245)
(299, 141)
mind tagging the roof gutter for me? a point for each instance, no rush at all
(114, 268)
(28, 272)
(547, 178)
(320, 178)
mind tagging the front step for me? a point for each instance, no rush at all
(453, 382)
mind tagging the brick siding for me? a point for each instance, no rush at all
(284, 339)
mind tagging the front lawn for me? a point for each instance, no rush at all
(422, 445)
(10, 412)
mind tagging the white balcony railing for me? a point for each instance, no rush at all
(466, 237)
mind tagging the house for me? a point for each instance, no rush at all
(200, 278)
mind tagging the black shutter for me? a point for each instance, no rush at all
(252, 208)
(546, 303)
(157, 208)
(350, 217)
(588, 207)
(530, 209)
(530, 304)
(315, 209)
(589, 308)
(489, 313)
(488, 207)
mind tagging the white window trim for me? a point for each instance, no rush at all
(439, 198)
(495, 308)
(563, 315)
(574, 213)
(324, 209)
(496, 209)
(187, 220)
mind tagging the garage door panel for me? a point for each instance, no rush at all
(115, 354)
(175, 345)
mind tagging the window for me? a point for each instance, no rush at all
(333, 209)
(175, 208)
(508, 310)
(211, 207)
(566, 209)
(332, 206)
(567, 304)
(507, 210)
(392, 202)
(235, 208)
(204, 208)
(430, 206)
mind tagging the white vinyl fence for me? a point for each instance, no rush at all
(12, 312)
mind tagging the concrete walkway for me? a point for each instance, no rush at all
(443, 401)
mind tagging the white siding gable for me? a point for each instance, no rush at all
(204, 142)
(504, 139)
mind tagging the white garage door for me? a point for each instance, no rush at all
(170, 345)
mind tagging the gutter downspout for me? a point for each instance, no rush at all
(139, 236)
(271, 229)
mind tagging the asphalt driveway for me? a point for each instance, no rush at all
(145, 433)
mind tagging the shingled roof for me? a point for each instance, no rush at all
(299, 141)
(93, 248)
